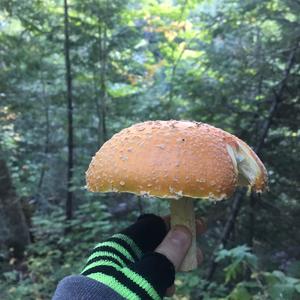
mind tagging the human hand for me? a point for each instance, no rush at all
(141, 261)
(176, 244)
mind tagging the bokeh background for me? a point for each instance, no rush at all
(73, 73)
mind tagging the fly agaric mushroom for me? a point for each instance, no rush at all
(178, 160)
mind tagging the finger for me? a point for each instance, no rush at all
(200, 257)
(200, 224)
(175, 245)
(170, 291)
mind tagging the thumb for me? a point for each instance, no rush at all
(175, 245)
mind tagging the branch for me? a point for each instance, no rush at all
(277, 98)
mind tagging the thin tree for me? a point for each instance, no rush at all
(103, 55)
(46, 106)
(69, 201)
(103, 70)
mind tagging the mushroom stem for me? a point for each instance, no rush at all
(182, 213)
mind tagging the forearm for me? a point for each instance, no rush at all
(79, 287)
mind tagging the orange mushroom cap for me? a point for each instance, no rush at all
(172, 159)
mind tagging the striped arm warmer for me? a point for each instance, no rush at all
(127, 264)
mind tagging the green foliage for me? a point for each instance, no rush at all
(280, 286)
(256, 284)
(241, 260)
(54, 254)
(222, 62)
(265, 285)
(273, 285)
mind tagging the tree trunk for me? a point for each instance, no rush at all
(98, 110)
(103, 88)
(69, 201)
(252, 211)
(259, 91)
(14, 232)
(46, 106)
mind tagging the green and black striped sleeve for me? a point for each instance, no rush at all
(127, 264)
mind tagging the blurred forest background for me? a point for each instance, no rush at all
(73, 73)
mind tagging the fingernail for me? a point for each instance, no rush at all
(180, 235)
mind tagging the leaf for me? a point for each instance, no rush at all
(239, 293)
(297, 287)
